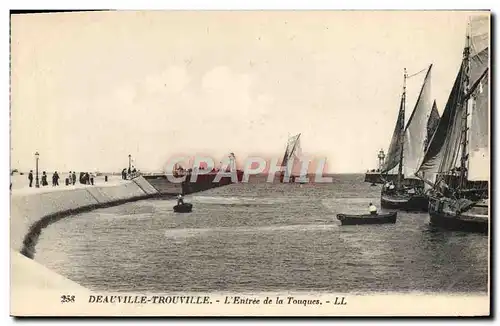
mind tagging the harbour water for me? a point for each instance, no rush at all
(259, 237)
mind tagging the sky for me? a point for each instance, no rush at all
(88, 89)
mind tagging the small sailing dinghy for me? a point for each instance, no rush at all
(349, 219)
(291, 161)
(183, 208)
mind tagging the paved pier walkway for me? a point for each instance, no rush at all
(21, 187)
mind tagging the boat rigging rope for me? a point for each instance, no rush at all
(417, 73)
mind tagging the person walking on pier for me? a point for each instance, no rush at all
(84, 178)
(73, 178)
(44, 179)
(55, 179)
(30, 178)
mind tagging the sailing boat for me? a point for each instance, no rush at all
(406, 151)
(376, 176)
(292, 154)
(456, 163)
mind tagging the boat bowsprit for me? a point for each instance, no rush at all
(183, 208)
(350, 219)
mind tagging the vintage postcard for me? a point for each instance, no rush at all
(250, 163)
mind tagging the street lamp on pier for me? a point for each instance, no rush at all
(37, 183)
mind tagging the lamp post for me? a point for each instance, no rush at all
(37, 183)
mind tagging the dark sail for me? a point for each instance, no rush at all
(462, 139)
(432, 124)
(393, 154)
(443, 136)
(445, 150)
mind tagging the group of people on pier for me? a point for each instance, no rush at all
(85, 178)
(129, 173)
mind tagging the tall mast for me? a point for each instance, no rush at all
(402, 134)
(465, 113)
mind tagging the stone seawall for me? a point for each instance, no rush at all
(31, 212)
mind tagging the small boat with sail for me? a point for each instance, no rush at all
(291, 160)
(351, 219)
(456, 163)
(406, 150)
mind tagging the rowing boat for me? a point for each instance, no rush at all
(349, 219)
(183, 208)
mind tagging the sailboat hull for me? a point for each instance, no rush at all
(416, 203)
(442, 216)
(291, 179)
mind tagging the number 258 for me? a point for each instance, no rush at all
(67, 298)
